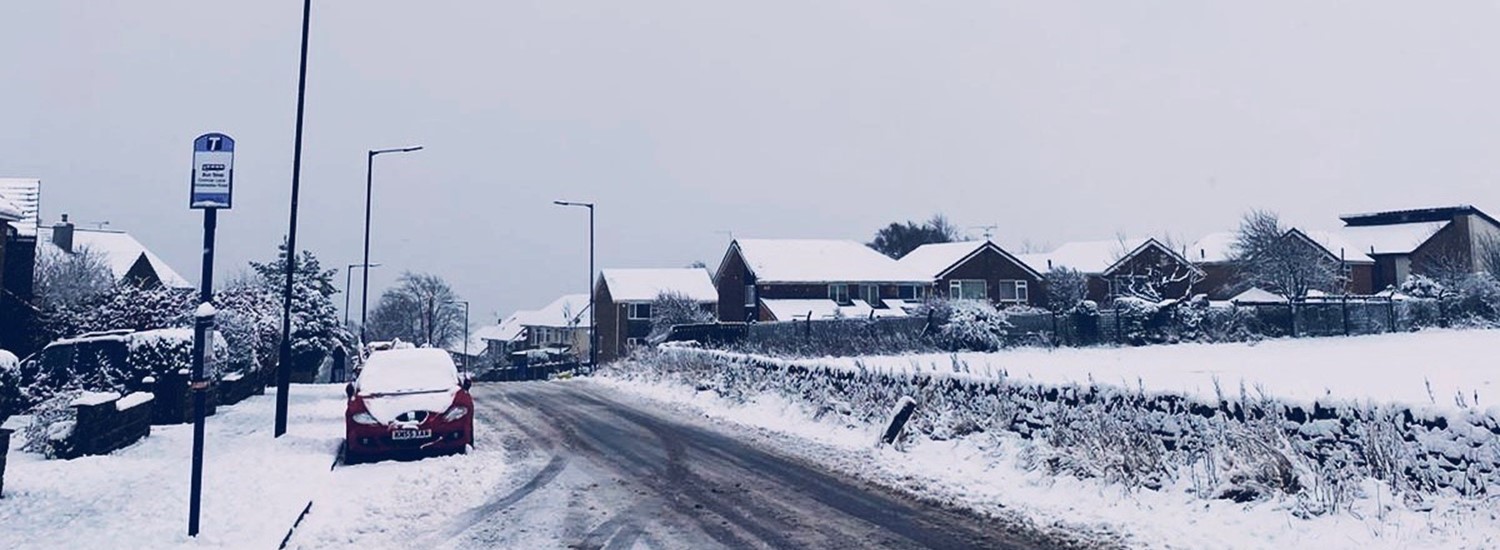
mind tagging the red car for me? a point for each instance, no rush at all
(407, 402)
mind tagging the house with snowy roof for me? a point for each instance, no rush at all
(624, 299)
(787, 279)
(20, 200)
(1139, 267)
(127, 259)
(978, 270)
(1425, 241)
(1214, 254)
(564, 323)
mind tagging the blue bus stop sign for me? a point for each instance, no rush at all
(213, 171)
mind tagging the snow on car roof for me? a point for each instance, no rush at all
(644, 285)
(822, 261)
(408, 370)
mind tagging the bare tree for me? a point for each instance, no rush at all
(1272, 258)
(65, 279)
(1155, 279)
(421, 309)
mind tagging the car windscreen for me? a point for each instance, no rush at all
(408, 371)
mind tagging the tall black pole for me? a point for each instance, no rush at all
(348, 275)
(593, 315)
(203, 320)
(284, 366)
(364, 293)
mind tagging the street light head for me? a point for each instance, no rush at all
(410, 149)
(374, 152)
(572, 203)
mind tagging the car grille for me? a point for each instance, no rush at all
(413, 416)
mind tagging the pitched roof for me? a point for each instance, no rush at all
(566, 311)
(1086, 256)
(120, 251)
(1389, 239)
(820, 261)
(936, 259)
(644, 285)
(26, 195)
(1336, 245)
(9, 211)
(1213, 248)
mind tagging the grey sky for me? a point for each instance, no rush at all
(1054, 120)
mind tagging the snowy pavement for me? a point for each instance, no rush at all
(254, 485)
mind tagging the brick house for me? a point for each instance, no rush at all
(1428, 241)
(1123, 267)
(784, 279)
(1214, 255)
(625, 298)
(977, 270)
(21, 200)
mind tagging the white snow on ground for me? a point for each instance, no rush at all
(254, 486)
(1383, 368)
(984, 472)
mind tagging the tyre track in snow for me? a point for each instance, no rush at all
(643, 477)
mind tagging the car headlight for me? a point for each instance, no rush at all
(455, 413)
(365, 418)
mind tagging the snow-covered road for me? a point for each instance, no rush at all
(608, 471)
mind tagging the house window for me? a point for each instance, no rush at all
(967, 290)
(1013, 292)
(870, 294)
(749, 295)
(907, 292)
(640, 312)
(632, 342)
(839, 294)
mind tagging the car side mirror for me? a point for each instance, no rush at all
(466, 384)
(349, 390)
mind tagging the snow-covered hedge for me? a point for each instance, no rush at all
(1242, 445)
(119, 362)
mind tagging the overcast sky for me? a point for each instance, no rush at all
(687, 120)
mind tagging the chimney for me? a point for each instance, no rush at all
(62, 234)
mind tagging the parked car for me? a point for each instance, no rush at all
(405, 402)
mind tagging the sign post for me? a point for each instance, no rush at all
(212, 189)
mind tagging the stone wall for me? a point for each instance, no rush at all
(106, 422)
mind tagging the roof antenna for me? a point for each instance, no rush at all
(989, 230)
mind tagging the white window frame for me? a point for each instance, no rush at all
(870, 294)
(955, 289)
(1022, 293)
(632, 312)
(750, 300)
(839, 294)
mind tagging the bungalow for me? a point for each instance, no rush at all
(1214, 254)
(626, 298)
(977, 270)
(785, 279)
(128, 260)
(1429, 241)
(564, 323)
(1139, 267)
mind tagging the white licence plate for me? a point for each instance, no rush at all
(401, 435)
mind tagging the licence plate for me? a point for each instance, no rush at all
(401, 435)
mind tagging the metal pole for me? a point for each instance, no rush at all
(284, 366)
(364, 293)
(348, 274)
(593, 315)
(201, 325)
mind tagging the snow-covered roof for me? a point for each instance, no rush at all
(1337, 245)
(1389, 239)
(120, 250)
(569, 310)
(1258, 296)
(821, 261)
(9, 211)
(1085, 256)
(26, 195)
(788, 309)
(644, 285)
(935, 259)
(1213, 248)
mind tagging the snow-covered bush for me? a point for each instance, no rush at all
(52, 421)
(1475, 301)
(970, 325)
(115, 362)
(1138, 320)
(674, 308)
(10, 384)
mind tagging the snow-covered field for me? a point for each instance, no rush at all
(1383, 368)
(986, 473)
(254, 486)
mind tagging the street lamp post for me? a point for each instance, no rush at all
(593, 315)
(284, 366)
(466, 331)
(348, 274)
(364, 293)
